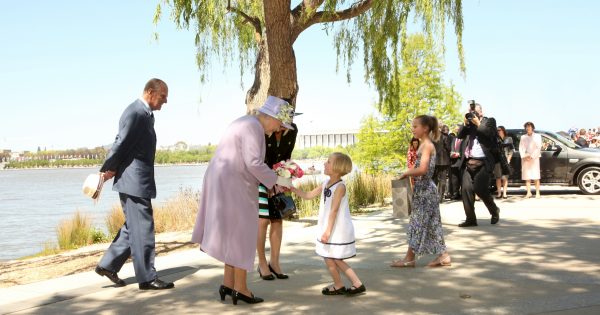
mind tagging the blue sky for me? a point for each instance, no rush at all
(69, 68)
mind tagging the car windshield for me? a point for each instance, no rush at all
(564, 140)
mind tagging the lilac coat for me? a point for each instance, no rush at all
(227, 222)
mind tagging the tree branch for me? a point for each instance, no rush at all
(354, 10)
(254, 21)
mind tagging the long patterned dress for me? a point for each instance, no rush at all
(425, 235)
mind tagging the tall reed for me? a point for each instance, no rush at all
(75, 232)
(363, 190)
(307, 208)
(176, 214)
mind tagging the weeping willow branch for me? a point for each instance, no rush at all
(254, 21)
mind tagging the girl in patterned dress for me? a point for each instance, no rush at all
(335, 232)
(425, 234)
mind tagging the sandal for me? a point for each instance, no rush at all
(403, 264)
(331, 290)
(445, 262)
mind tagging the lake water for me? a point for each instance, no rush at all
(33, 202)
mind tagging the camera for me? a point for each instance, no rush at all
(472, 113)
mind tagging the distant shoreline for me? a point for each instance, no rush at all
(94, 166)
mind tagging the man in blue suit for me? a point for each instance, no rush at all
(131, 163)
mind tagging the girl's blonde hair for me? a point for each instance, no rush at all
(432, 124)
(341, 163)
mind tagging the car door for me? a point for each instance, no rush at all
(554, 161)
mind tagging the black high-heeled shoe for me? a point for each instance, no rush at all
(278, 275)
(235, 296)
(223, 291)
(267, 277)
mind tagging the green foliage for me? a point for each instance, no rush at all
(220, 37)
(376, 29)
(202, 155)
(316, 152)
(383, 142)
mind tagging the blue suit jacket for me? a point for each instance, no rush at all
(132, 154)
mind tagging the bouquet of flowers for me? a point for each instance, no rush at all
(286, 171)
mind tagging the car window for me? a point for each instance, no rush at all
(564, 140)
(548, 144)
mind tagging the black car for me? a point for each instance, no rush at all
(562, 162)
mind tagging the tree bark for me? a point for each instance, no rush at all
(257, 94)
(281, 54)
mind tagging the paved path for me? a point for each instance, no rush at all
(542, 258)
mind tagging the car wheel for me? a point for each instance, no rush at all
(589, 180)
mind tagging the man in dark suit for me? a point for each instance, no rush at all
(477, 163)
(131, 163)
(442, 161)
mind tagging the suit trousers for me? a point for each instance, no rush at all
(440, 178)
(476, 181)
(454, 180)
(135, 238)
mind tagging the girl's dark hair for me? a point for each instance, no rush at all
(432, 123)
(529, 123)
(503, 130)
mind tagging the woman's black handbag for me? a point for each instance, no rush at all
(282, 204)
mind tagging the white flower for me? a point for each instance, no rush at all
(284, 173)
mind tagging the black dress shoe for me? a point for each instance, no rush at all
(267, 277)
(496, 217)
(235, 296)
(223, 291)
(112, 276)
(278, 275)
(156, 284)
(467, 224)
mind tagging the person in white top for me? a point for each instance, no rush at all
(335, 232)
(530, 148)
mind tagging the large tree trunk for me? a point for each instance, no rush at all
(276, 62)
(257, 94)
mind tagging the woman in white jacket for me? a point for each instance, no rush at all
(530, 148)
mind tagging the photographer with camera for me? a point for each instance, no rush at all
(477, 162)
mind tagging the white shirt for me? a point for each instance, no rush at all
(146, 103)
(477, 150)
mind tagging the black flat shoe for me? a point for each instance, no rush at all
(235, 296)
(467, 224)
(268, 277)
(354, 290)
(331, 290)
(156, 284)
(278, 275)
(223, 291)
(112, 276)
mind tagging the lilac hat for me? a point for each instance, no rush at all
(278, 109)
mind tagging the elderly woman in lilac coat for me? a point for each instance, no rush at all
(227, 222)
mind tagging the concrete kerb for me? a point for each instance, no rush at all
(538, 259)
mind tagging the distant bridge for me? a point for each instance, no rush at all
(327, 139)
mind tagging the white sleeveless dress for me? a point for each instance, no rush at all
(341, 241)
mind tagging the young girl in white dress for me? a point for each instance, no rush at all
(335, 232)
